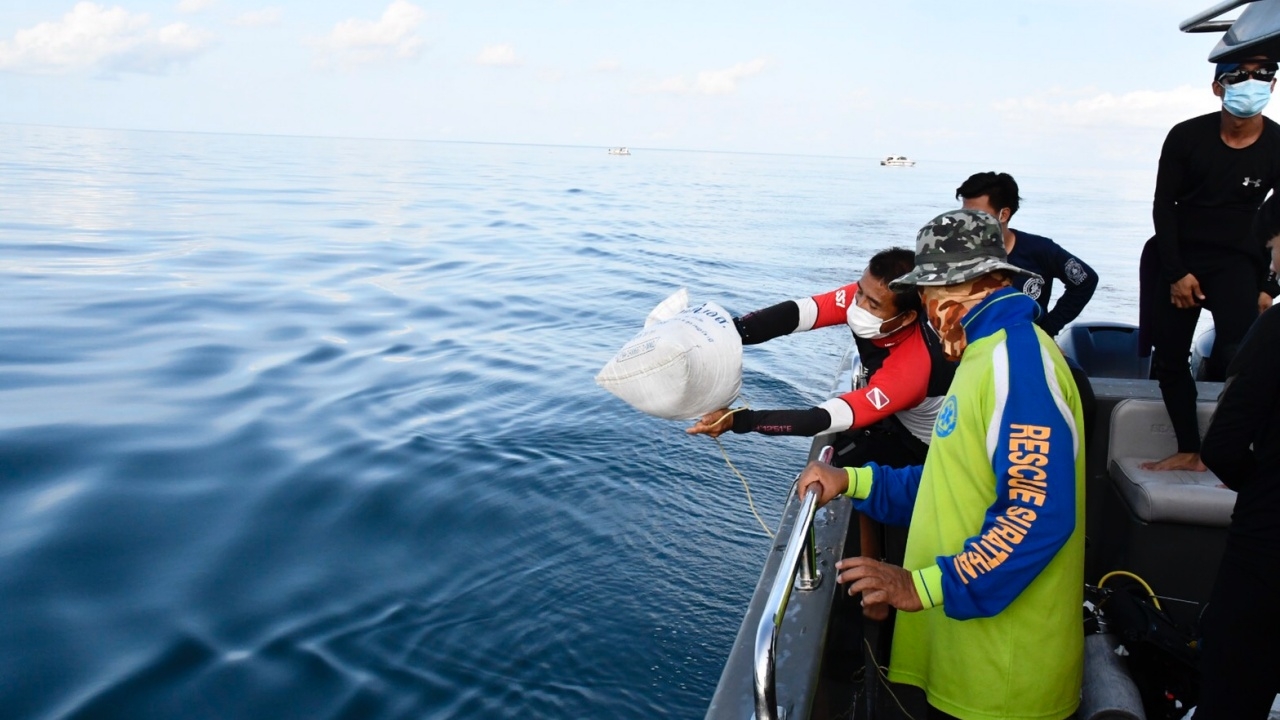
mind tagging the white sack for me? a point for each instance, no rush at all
(675, 304)
(685, 363)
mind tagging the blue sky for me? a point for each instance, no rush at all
(1053, 82)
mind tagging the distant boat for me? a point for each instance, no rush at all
(897, 161)
(619, 151)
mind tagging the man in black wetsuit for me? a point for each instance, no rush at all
(889, 420)
(1215, 170)
(1239, 664)
(997, 195)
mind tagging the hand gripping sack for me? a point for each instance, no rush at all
(686, 362)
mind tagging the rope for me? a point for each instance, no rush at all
(745, 485)
(884, 679)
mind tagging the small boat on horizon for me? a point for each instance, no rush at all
(897, 161)
(619, 151)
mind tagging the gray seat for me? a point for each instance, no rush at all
(1141, 431)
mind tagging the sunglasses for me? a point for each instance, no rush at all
(1265, 74)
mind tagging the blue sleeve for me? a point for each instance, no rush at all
(1078, 280)
(1034, 513)
(893, 494)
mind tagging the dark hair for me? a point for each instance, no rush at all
(1000, 188)
(890, 265)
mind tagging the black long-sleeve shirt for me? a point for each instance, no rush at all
(1266, 225)
(1207, 192)
(1051, 261)
(1242, 444)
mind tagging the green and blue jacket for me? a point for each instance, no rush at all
(996, 516)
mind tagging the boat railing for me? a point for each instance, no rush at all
(799, 569)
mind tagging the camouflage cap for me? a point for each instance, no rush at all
(956, 247)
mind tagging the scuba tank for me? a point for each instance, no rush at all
(1109, 691)
(1139, 662)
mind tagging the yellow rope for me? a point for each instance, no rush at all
(745, 485)
(1143, 583)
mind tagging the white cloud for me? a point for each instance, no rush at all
(356, 41)
(608, 66)
(1158, 109)
(259, 18)
(93, 36)
(712, 82)
(674, 86)
(498, 56)
(194, 6)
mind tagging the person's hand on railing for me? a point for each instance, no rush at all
(879, 583)
(831, 482)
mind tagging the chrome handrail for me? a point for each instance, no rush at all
(799, 545)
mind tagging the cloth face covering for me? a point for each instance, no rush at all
(1246, 99)
(947, 304)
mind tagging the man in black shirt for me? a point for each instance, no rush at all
(1239, 665)
(997, 195)
(1215, 170)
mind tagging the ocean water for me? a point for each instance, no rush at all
(307, 428)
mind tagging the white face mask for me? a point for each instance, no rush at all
(866, 325)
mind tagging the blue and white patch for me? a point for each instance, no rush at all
(947, 417)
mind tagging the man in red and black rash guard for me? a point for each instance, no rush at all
(892, 416)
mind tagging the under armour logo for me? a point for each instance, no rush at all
(1250, 182)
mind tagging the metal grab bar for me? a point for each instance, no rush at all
(800, 549)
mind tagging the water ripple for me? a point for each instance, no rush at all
(307, 428)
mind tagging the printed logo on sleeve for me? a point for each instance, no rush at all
(1028, 490)
(1075, 272)
(1032, 287)
(840, 298)
(947, 417)
(878, 398)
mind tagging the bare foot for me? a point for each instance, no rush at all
(1177, 461)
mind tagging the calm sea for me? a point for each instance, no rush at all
(306, 428)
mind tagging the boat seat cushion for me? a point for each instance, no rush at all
(1141, 431)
